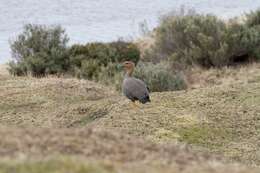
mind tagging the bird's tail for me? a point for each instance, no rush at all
(145, 99)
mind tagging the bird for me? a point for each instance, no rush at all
(133, 88)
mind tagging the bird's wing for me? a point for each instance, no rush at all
(134, 88)
(142, 83)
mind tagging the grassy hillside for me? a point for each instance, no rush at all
(86, 127)
(223, 117)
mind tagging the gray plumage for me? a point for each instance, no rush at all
(135, 89)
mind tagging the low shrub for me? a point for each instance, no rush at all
(125, 51)
(159, 77)
(90, 59)
(195, 39)
(100, 52)
(40, 50)
(242, 42)
(253, 18)
(17, 69)
(111, 75)
(89, 69)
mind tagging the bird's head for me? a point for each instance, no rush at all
(128, 67)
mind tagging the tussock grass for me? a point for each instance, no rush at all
(41, 119)
(199, 78)
(50, 101)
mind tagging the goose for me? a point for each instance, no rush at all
(133, 88)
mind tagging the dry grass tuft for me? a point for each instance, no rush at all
(3, 71)
(199, 78)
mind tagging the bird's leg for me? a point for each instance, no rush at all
(136, 106)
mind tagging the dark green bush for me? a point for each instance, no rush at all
(100, 52)
(125, 51)
(253, 21)
(82, 57)
(17, 69)
(243, 42)
(253, 18)
(206, 40)
(192, 39)
(40, 50)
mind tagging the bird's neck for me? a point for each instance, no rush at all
(129, 72)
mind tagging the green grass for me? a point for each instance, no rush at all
(54, 166)
(72, 165)
(205, 135)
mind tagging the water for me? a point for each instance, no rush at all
(101, 20)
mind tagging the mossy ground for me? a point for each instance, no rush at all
(51, 116)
